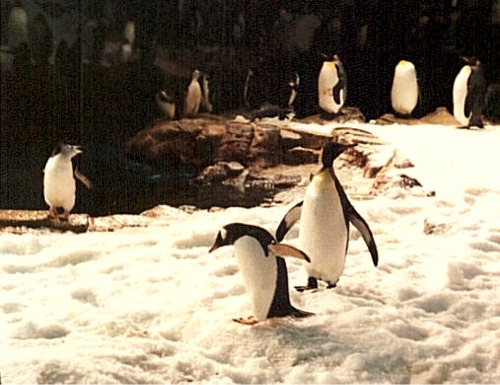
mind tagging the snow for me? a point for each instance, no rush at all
(150, 305)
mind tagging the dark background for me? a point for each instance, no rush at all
(59, 88)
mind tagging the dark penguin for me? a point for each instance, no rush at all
(264, 271)
(469, 92)
(324, 216)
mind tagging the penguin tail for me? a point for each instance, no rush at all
(297, 313)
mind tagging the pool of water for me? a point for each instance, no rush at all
(119, 185)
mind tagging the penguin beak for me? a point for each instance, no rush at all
(77, 149)
(218, 243)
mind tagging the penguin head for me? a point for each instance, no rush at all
(196, 75)
(331, 151)
(222, 239)
(165, 97)
(230, 233)
(471, 60)
(66, 150)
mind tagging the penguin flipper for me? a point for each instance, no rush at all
(290, 218)
(351, 215)
(357, 220)
(86, 181)
(288, 251)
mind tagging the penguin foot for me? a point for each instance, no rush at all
(53, 213)
(312, 284)
(251, 320)
(331, 285)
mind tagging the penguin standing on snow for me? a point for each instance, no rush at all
(332, 86)
(469, 91)
(193, 96)
(264, 271)
(404, 92)
(324, 216)
(59, 184)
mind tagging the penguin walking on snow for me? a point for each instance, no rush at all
(404, 92)
(59, 184)
(469, 92)
(264, 272)
(193, 96)
(324, 216)
(332, 86)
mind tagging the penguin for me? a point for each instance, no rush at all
(193, 96)
(205, 93)
(166, 102)
(294, 86)
(246, 87)
(59, 184)
(17, 30)
(324, 216)
(332, 85)
(41, 40)
(264, 271)
(404, 92)
(128, 41)
(469, 92)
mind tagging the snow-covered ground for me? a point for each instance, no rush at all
(150, 305)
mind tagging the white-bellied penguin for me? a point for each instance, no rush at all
(59, 184)
(332, 85)
(469, 92)
(324, 216)
(165, 101)
(264, 271)
(193, 96)
(404, 92)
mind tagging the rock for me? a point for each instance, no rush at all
(167, 145)
(440, 116)
(220, 171)
(389, 176)
(300, 155)
(265, 149)
(235, 143)
(17, 219)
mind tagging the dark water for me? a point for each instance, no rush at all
(119, 185)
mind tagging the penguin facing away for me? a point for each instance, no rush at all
(205, 93)
(332, 86)
(325, 214)
(404, 92)
(264, 271)
(469, 93)
(59, 184)
(193, 96)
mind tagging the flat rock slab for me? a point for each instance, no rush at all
(77, 223)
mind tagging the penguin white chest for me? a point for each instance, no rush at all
(259, 274)
(404, 92)
(323, 232)
(327, 80)
(193, 98)
(460, 95)
(59, 184)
